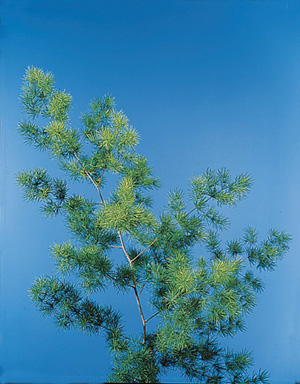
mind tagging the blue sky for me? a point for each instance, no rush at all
(206, 84)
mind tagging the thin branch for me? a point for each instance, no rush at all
(137, 296)
(101, 176)
(89, 176)
(141, 313)
(81, 138)
(244, 259)
(195, 208)
(190, 212)
(113, 246)
(143, 286)
(124, 249)
(151, 317)
(144, 250)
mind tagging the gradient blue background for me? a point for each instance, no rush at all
(206, 84)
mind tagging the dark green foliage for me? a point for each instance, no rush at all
(88, 263)
(119, 242)
(136, 365)
(39, 186)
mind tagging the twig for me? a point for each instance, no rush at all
(81, 138)
(137, 295)
(143, 286)
(124, 249)
(101, 176)
(112, 246)
(151, 317)
(141, 312)
(89, 176)
(144, 250)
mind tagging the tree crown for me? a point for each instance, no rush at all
(197, 300)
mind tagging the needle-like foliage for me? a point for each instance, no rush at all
(197, 295)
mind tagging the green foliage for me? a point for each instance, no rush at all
(135, 365)
(88, 263)
(39, 186)
(197, 300)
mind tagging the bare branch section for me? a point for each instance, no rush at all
(151, 317)
(124, 249)
(137, 256)
(141, 312)
(142, 287)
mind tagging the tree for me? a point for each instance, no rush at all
(118, 241)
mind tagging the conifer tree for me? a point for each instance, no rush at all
(117, 241)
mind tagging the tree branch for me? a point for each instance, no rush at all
(124, 249)
(151, 317)
(143, 286)
(141, 312)
(144, 250)
(89, 176)
(104, 168)
(137, 295)
(112, 246)
(122, 246)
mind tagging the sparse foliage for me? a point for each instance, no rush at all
(198, 301)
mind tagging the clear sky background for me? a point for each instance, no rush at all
(206, 83)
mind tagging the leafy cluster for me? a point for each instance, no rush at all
(197, 300)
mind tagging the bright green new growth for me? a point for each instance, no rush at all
(196, 301)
